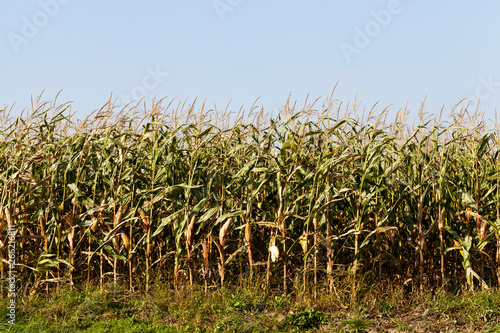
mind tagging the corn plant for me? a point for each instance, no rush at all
(191, 198)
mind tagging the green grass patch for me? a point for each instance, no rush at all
(246, 309)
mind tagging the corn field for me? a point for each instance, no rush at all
(302, 200)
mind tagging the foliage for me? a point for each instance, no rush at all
(304, 200)
(357, 324)
(305, 319)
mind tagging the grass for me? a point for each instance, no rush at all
(115, 309)
(357, 324)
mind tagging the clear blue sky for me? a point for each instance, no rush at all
(241, 49)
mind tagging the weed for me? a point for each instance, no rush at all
(281, 302)
(305, 319)
(357, 324)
